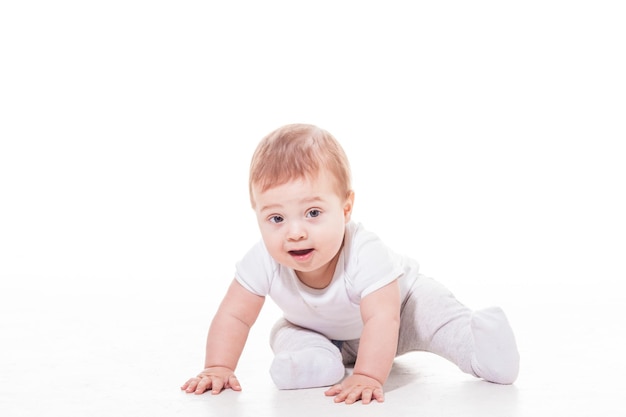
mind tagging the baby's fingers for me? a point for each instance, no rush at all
(233, 383)
(197, 385)
(378, 395)
(354, 394)
(370, 394)
(334, 390)
(350, 397)
(190, 385)
(366, 396)
(341, 394)
(217, 384)
(204, 383)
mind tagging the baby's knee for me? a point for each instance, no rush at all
(496, 358)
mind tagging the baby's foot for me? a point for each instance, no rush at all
(307, 368)
(496, 358)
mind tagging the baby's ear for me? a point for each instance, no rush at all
(348, 205)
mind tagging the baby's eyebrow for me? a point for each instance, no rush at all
(270, 207)
(310, 200)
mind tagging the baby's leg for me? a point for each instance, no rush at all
(303, 358)
(481, 343)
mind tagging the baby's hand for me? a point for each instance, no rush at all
(357, 387)
(215, 379)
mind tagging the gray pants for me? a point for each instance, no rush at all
(480, 343)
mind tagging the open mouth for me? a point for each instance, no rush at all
(302, 252)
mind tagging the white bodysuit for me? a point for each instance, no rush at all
(321, 329)
(365, 265)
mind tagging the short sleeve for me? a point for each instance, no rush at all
(256, 270)
(371, 264)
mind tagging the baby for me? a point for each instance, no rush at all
(347, 298)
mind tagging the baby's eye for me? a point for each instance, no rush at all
(314, 213)
(276, 219)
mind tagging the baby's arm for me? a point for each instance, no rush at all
(227, 336)
(380, 311)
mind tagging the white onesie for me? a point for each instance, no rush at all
(365, 265)
(321, 328)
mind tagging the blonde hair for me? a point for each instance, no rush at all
(298, 151)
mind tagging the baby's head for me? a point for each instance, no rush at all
(298, 151)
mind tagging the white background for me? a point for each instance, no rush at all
(486, 140)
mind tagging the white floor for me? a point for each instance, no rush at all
(485, 139)
(78, 352)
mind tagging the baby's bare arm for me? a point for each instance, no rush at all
(226, 339)
(379, 342)
(230, 326)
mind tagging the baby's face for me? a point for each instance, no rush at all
(302, 224)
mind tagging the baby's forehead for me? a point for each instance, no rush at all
(320, 177)
(321, 183)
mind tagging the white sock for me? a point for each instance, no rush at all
(496, 358)
(307, 368)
